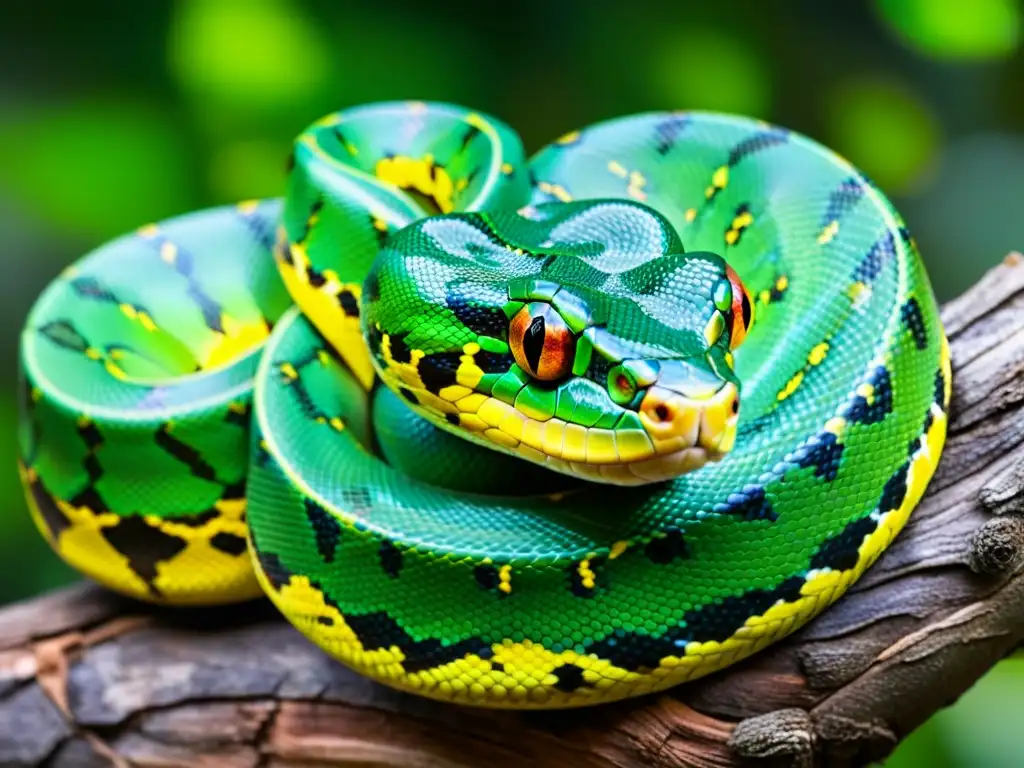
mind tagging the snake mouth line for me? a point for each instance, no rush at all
(679, 435)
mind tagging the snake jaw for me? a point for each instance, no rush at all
(686, 432)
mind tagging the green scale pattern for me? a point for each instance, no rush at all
(705, 551)
(412, 547)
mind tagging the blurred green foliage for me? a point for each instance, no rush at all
(884, 124)
(117, 113)
(952, 29)
(124, 155)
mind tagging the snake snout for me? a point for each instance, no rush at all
(700, 423)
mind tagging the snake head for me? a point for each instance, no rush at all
(653, 386)
(581, 337)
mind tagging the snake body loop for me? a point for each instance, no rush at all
(538, 433)
(137, 367)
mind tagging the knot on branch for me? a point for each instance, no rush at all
(784, 733)
(997, 546)
(1002, 493)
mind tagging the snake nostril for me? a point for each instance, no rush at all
(735, 405)
(662, 412)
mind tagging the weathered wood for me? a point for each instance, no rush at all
(91, 679)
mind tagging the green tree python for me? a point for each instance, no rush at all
(538, 433)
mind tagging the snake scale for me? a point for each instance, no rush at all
(536, 433)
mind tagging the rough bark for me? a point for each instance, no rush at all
(91, 679)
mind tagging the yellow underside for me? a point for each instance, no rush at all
(199, 574)
(321, 307)
(586, 451)
(420, 174)
(238, 339)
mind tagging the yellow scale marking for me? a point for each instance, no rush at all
(420, 174)
(618, 548)
(858, 292)
(601, 447)
(637, 181)
(505, 579)
(814, 358)
(587, 576)
(719, 181)
(321, 306)
(198, 575)
(739, 223)
(237, 339)
(134, 313)
(534, 435)
(781, 284)
(555, 190)
(828, 233)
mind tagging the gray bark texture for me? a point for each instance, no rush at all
(91, 679)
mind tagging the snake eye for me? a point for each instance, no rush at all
(622, 385)
(541, 342)
(742, 310)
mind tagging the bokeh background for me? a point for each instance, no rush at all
(113, 114)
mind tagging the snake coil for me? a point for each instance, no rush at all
(538, 433)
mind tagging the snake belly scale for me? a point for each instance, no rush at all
(536, 433)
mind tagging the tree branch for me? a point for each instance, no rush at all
(88, 678)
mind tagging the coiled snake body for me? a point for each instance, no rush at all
(508, 449)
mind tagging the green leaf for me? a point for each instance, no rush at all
(979, 730)
(94, 169)
(709, 69)
(883, 128)
(955, 29)
(244, 170)
(252, 55)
